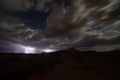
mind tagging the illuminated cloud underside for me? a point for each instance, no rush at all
(85, 24)
(29, 50)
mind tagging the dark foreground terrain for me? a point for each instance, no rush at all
(64, 65)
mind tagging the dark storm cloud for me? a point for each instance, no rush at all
(86, 18)
(10, 47)
(15, 5)
(22, 5)
(88, 24)
(93, 43)
(96, 3)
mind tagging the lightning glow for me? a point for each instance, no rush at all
(29, 50)
(33, 50)
(48, 50)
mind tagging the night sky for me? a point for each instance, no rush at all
(34, 19)
(59, 24)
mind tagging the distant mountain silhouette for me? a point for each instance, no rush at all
(62, 65)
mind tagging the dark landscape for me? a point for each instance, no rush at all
(62, 65)
(59, 39)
